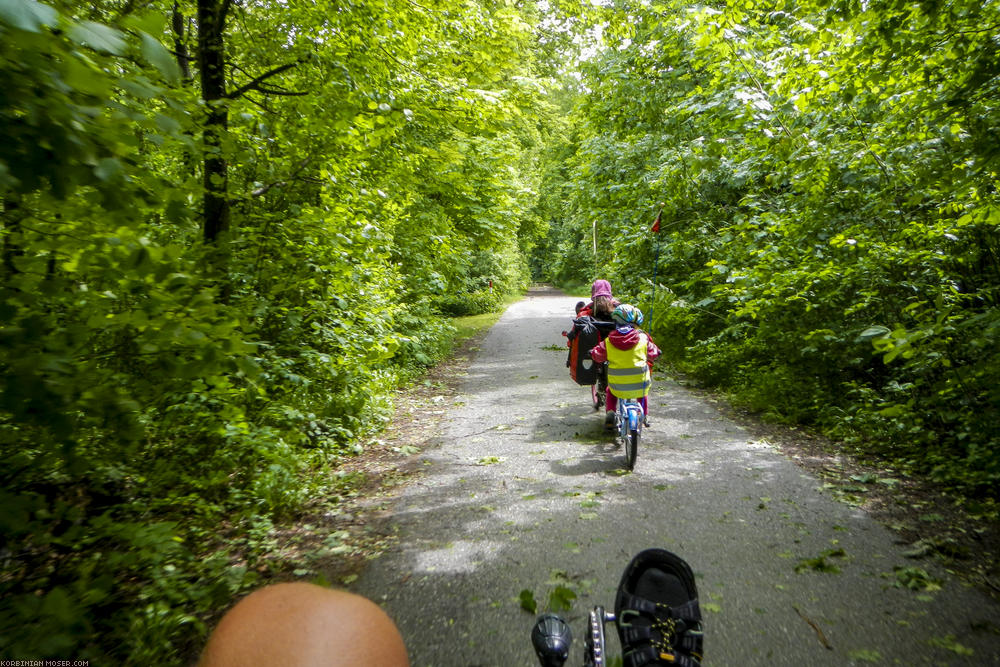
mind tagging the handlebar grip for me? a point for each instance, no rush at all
(551, 638)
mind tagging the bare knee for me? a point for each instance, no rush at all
(300, 624)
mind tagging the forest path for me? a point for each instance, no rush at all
(523, 490)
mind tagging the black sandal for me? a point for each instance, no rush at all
(657, 612)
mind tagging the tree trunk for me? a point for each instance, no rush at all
(180, 43)
(12, 229)
(211, 62)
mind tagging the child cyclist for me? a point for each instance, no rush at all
(602, 302)
(629, 352)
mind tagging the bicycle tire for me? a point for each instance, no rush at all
(595, 396)
(631, 448)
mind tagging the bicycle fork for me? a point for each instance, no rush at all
(630, 416)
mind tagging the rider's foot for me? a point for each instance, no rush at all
(658, 618)
(609, 420)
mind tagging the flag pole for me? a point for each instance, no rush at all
(597, 264)
(656, 261)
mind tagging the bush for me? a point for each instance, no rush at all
(475, 303)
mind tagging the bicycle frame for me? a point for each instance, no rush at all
(630, 416)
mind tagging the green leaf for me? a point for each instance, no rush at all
(527, 599)
(160, 58)
(561, 598)
(950, 643)
(108, 168)
(873, 332)
(820, 563)
(98, 37)
(27, 14)
(915, 579)
(152, 22)
(167, 124)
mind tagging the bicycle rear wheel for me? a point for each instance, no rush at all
(598, 389)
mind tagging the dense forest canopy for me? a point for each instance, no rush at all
(828, 176)
(230, 228)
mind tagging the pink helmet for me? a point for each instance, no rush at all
(600, 288)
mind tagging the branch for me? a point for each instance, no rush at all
(255, 84)
(977, 31)
(819, 633)
(286, 93)
(412, 69)
(52, 234)
(868, 147)
(760, 89)
(417, 4)
(298, 168)
(260, 104)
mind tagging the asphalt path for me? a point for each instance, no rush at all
(524, 490)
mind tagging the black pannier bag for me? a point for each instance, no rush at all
(586, 333)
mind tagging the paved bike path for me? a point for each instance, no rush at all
(524, 490)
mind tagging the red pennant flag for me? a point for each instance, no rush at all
(656, 223)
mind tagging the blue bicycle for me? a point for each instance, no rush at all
(629, 419)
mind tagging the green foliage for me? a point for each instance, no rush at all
(561, 599)
(165, 400)
(915, 579)
(527, 600)
(951, 643)
(865, 655)
(829, 252)
(476, 303)
(820, 563)
(829, 248)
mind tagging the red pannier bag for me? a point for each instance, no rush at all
(586, 333)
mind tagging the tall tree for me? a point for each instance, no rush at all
(212, 16)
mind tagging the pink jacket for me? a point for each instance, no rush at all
(624, 340)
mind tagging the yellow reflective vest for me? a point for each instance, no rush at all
(628, 372)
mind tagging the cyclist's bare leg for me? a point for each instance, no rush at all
(299, 624)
